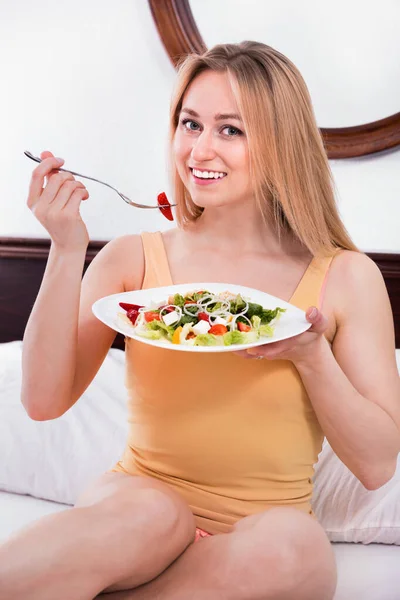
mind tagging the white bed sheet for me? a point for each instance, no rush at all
(365, 572)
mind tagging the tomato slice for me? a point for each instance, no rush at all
(166, 211)
(243, 326)
(218, 330)
(151, 316)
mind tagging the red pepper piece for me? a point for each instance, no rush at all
(127, 306)
(132, 315)
(167, 212)
(202, 316)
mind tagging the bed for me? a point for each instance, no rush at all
(366, 571)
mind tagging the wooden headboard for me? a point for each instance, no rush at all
(22, 264)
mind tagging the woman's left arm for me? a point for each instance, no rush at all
(354, 386)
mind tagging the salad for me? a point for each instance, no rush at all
(202, 318)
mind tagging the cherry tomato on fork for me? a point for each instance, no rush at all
(167, 212)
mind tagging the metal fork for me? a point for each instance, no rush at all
(124, 198)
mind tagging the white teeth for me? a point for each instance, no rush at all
(208, 174)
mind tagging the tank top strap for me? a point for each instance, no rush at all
(157, 271)
(310, 290)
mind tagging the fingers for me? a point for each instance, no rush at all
(71, 208)
(70, 193)
(38, 176)
(46, 154)
(54, 184)
(61, 193)
(317, 319)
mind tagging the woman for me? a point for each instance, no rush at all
(221, 449)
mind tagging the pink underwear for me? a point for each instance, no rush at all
(200, 533)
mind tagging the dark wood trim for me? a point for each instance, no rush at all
(23, 261)
(36, 248)
(179, 33)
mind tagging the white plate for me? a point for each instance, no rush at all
(290, 323)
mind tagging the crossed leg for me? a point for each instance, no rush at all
(135, 534)
(281, 554)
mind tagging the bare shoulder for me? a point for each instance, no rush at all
(124, 255)
(351, 264)
(353, 277)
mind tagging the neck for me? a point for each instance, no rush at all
(238, 230)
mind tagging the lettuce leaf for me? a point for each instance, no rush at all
(269, 315)
(266, 330)
(237, 305)
(205, 339)
(150, 334)
(233, 337)
(185, 319)
(166, 330)
(179, 300)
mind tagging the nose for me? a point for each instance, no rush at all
(203, 148)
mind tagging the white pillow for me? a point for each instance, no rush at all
(347, 510)
(350, 513)
(57, 459)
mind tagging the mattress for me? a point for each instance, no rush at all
(365, 572)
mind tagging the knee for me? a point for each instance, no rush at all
(293, 546)
(149, 509)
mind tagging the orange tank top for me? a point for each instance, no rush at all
(234, 437)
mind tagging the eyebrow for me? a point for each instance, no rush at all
(217, 117)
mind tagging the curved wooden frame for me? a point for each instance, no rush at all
(180, 36)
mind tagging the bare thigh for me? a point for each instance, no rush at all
(170, 522)
(279, 554)
(292, 548)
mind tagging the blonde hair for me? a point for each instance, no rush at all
(292, 179)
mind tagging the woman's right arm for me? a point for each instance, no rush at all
(64, 343)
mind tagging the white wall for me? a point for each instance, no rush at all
(90, 80)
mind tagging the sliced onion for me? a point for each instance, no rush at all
(141, 319)
(233, 323)
(205, 299)
(244, 311)
(214, 315)
(191, 314)
(223, 309)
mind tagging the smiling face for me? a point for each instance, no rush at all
(210, 147)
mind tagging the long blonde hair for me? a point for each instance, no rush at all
(292, 179)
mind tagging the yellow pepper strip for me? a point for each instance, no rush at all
(175, 337)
